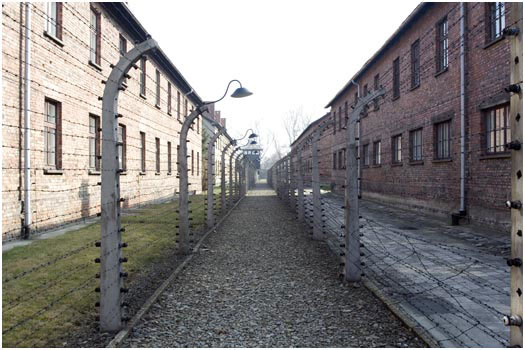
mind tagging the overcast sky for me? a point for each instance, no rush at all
(291, 54)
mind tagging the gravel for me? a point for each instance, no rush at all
(260, 281)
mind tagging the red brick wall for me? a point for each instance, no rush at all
(63, 73)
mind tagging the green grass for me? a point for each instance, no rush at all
(50, 301)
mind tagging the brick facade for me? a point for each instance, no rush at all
(431, 183)
(61, 71)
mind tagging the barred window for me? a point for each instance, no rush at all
(376, 87)
(169, 157)
(497, 129)
(143, 152)
(157, 155)
(366, 156)
(414, 64)
(334, 160)
(442, 132)
(416, 145)
(169, 98)
(395, 79)
(496, 20)
(94, 142)
(442, 45)
(157, 81)
(396, 149)
(178, 105)
(123, 49)
(143, 76)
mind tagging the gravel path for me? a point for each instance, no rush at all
(260, 281)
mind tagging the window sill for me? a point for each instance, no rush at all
(157, 173)
(95, 65)
(366, 166)
(142, 173)
(169, 113)
(414, 87)
(93, 172)
(497, 40)
(444, 160)
(157, 105)
(54, 38)
(124, 172)
(53, 171)
(169, 173)
(143, 96)
(416, 162)
(395, 97)
(441, 72)
(376, 166)
(495, 156)
(396, 164)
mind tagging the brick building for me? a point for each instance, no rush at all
(72, 48)
(410, 139)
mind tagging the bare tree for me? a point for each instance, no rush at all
(295, 122)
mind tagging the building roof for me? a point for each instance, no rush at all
(310, 127)
(418, 11)
(130, 24)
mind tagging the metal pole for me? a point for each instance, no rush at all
(211, 176)
(27, 124)
(111, 282)
(462, 108)
(515, 320)
(316, 186)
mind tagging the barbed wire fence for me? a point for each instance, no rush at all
(63, 291)
(457, 294)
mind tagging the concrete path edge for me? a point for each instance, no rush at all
(421, 332)
(123, 334)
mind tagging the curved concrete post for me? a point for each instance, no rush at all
(211, 176)
(230, 199)
(110, 244)
(316, 186)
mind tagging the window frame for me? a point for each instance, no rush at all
(142, 78)
(503, 131)
(157, 155)
(157, 88)
(415, 64)
(54, 24)
(376, 150)
(414, 157)
(94, 136)
(366, 155)
(493, 20)
(169, 157)
(443, 140)
(396, 79)
(442, 45)
(143, 152)
(57, 128)
(95, 32)
(121, 146)
(397, 149)
(169, 98)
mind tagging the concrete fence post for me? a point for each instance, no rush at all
(223, 178)
(300, 184)
(515, 319)
(111, 281)
(210, 218)
(316, 187)
(232, 175)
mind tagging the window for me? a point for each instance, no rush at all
(143, 152)
(157, 155)
(123, 49)
(377, 152)
(356, 97)
(121, 148)
(157, 78)
(335, 122)
(169, 98)
(366, 156)
(198, 126)
(365, 90)
(198, 163)
(340, 118)
(414, 64)
(178, 105)
(95, 36)
(395, 79)
(143, 76)
(169, 157)
(416, 145)
(496, 20)
(442, 45)
(53, 134)
(340, 160)
(396, 149)
(497, 129)
(346, 113)
(334, 164)
(54, 19)
(376, 87)
(185, 107)
(365, 107)
(442, 137)
(192, 163)
(94, 142)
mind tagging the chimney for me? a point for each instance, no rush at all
(223, 122)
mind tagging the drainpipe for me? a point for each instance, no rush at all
(462, 209)
(358, 143)
(27, 125)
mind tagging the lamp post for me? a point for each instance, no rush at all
(184, 223)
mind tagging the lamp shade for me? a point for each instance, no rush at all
(253, 142)
(252, 135)
(241, 92)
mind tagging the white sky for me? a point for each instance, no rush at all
(289, 53)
